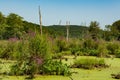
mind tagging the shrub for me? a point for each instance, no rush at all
(61, 45)
(90, 47)
(2, 48)
(39, 46)
(55, 68)
(117, 53)
(89, 63)
(80, 53)
(102, 50)
(89, 52)
(9, 51)
(22, 50)
(25, 67)
(39, 60)
(112, 47)
(31, 59)
(93, 52)
(90, 44)
(57, 56)
(15, 50)
(74, 48)
(48, 67)
(116, 76)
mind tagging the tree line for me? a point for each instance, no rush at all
(14, 26)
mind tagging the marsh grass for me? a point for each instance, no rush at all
(89, 63)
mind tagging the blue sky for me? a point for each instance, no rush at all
(78, 12)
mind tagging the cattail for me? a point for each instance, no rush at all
(40, 19)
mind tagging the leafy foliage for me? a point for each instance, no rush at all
(112, 47)
(116, 76)
(94, 29)
(9, 51)
(61, 45)
(117, 53)
(37, 60)
(39, 46)
(55, 68)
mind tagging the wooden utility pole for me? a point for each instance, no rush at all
(67, 27)
(40, 19)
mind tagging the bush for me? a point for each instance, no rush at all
(93, 52)
(9, 51)
(90, 47)
(74, 48)
(89, 63)
(24, 68)
(22, 50)
(102, 50)
(31, 59)
(39, 47)
(14, 50)
(90, 44)
(61, 45)
(38, 60)
(112, 47)
(117, 53)
(57, 56)
(89, 52)
(116, 76)
(2, 48)
(55, 68)
(48, 67)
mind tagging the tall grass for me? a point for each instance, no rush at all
(89, 63)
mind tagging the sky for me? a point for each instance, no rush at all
(78, 12)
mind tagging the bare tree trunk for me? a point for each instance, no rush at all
(40, 19)
(67, 27)
(60, 22)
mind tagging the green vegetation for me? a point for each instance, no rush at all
(116, 76)
(14, 26)
(97, 74)
(89, 63)
(55, 68)
(37, 60)
(27, 54)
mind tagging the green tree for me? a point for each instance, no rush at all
(116, 24)
(2, 25)
(108, 34)
(94, 29)
(14, 20)
(2, 18)
(115, 28)
(15, 25)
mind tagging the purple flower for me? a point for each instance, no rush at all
(14, 39)
(38, 60)
(31, 33)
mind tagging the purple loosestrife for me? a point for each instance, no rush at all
(31, 33)
(14, 39)
(38, 60)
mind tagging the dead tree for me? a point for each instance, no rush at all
(59, 22)
(40, 20)
(67, 28)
